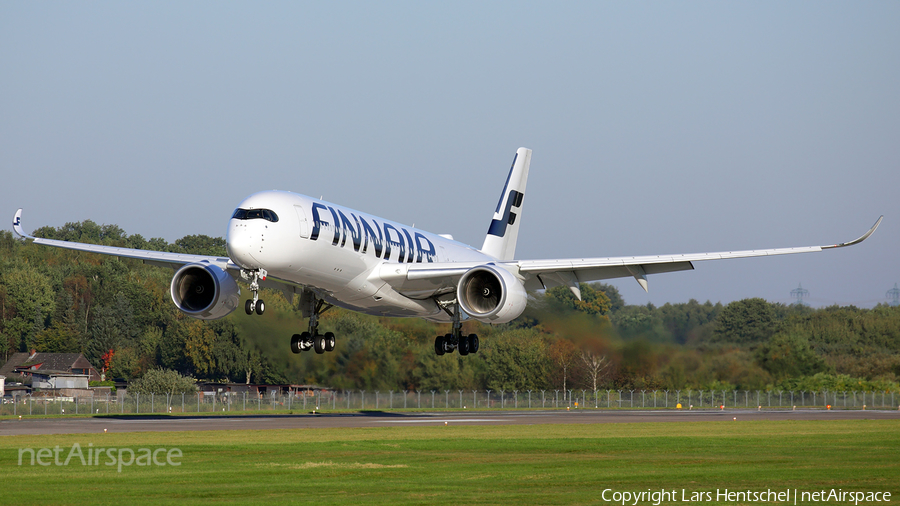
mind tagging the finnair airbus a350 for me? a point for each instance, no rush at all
(331, 255)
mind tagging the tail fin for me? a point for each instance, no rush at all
(500, 241)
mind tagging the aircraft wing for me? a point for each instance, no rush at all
(158, 258)
(427, 280)
(548, 273)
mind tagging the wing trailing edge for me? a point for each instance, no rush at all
(540, 274)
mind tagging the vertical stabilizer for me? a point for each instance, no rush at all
(504, 230)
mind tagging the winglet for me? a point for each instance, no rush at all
(17, 225)
(861, 239)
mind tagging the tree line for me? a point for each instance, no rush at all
(119, 314)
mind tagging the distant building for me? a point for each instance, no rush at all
(57, 380)
(65, 368)
(2, 385)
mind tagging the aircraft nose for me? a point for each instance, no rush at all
(241, 242)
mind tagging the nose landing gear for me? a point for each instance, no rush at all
(255, 304)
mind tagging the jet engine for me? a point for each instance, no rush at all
(204, 291)
(491, 294)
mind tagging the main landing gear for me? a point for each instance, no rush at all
(312, 339)
(456, 340)
(255, 304)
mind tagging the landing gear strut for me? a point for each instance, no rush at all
(304, 341)
(456, 340)
(254, 304)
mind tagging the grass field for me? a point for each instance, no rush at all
(522, 465)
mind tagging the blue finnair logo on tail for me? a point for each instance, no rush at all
(498, 227)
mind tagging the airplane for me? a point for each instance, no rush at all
(329, 255)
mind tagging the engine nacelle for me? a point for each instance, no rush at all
(491, 294)
(204, 291)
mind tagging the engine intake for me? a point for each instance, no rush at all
(491, 294)
(204, 291)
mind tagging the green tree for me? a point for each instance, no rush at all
(125, 364)
(199, 346)
(8, 243)
(163, 381)
(29, 297)
(200, 245)
(448, 372)
(517, 360)
(640, 322)
(787, 355)
(37, 326)
(638, 364)
(106, 334)
(56, 339)
(172, 346)
(616, 302)
(6, 342)
(687, 321)
(593, 301)
(745, 322)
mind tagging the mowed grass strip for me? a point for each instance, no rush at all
(521, 465)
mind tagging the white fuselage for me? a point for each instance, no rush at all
(340, 253)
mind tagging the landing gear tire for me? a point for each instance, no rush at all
(312, 308)
(455, 340)
(473, 343)
(463, 345)
(254, 304)
(319, 344)
(259, 307)
(306, 341)
(296, 343)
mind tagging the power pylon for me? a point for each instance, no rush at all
(894, 295)
(798, 293)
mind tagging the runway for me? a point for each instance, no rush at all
(164, 423)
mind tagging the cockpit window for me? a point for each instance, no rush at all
(254, 214)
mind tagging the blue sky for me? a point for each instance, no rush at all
(656, 127)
